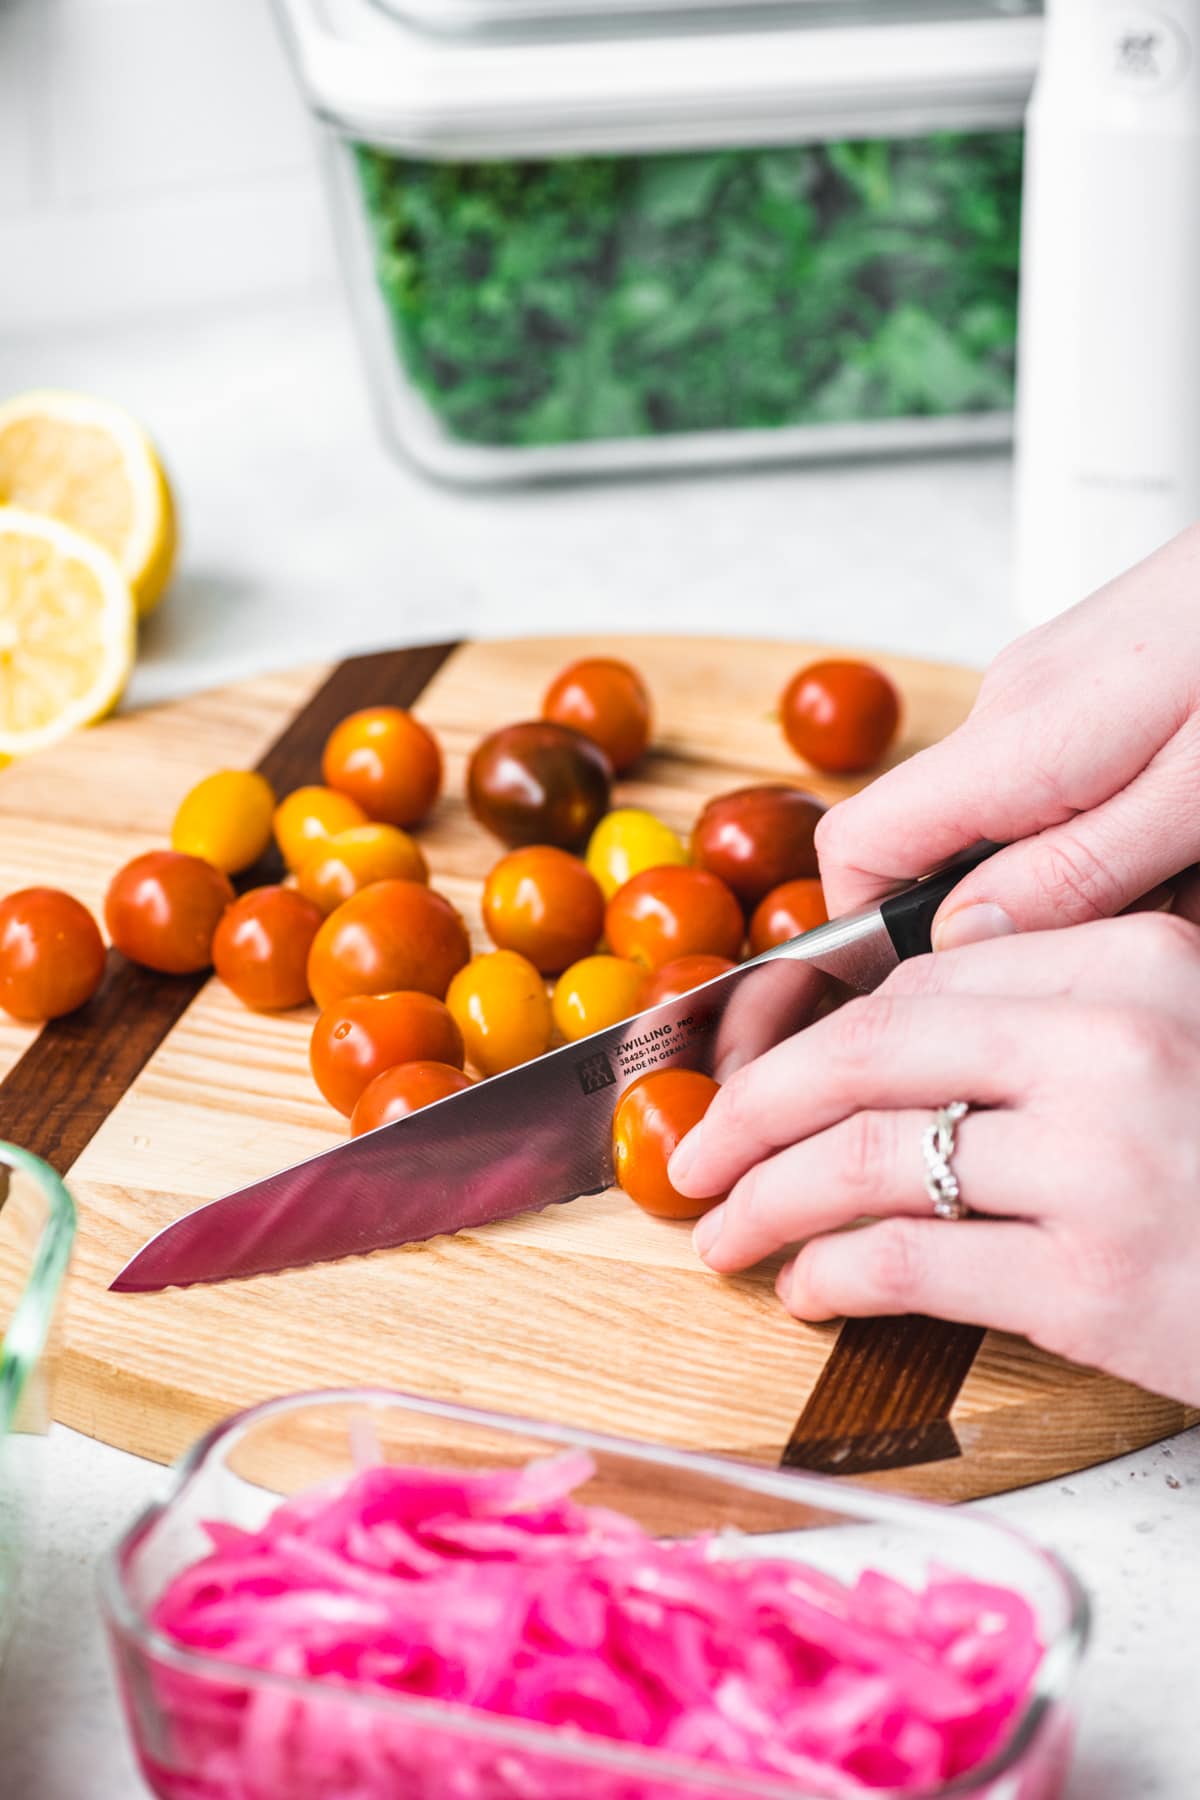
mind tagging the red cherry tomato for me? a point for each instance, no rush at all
(163, 908)
(665, 913)
(608, 701)
(403, 1090)
(539, 783)
(387, 761)
(651, 1118)
(785, 912)
(545, 905)
(681, 975)
(356, 1039)
(840, 716)
(757, 837)
(260, 948)
(390, 936)
(51, 954)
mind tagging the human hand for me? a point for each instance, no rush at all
(1082, 754)
(1083, 1165)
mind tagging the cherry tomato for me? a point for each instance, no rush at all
(840, 716)
(340, 865)
(651, 1118)
(681, 975)
(226, 819)
(51, 954)
(545, 905)
(393, 935)
(356, 1039)
(608, 701)
(162, 909)
(500, 1004)
(670, 912)
(403, 1090)
(387, 761)
(785, 912)
(627, 841)
(309, 815)
(260, 948)
(756, 838)
(538, 783)
(597, 992)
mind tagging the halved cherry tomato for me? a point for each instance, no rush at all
(387, 761)
(340, 865)
(539, 783)
(625, 842)
(393, 935)
(651, 1118)
(260, 948)
(226, 819)
(545, 905)
(608, 701)
(403, 1090)
(162, 909)
(840, 716)
(757, 837)
(307, 816)
(500, 1004)
(597, 992)
(51, 954)
(670, 912)
(683, 974)
(356, 1039)
(785, 912)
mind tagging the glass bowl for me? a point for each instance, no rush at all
(239, 1471)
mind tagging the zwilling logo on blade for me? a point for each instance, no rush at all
(595, 1072)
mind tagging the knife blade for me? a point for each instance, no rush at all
(538, 1135)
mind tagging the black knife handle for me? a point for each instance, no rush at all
(909, 914)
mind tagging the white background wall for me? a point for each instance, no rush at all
(154, 155)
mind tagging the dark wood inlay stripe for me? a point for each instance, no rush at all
(58, 1094)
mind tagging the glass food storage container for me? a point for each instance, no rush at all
(617, 242)
(37, 1226)
(207, 1729)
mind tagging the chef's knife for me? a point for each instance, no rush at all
(538, 1134)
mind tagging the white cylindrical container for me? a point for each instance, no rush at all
(1108, 409)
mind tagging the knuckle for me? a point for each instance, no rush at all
(1166, 942)
(861, 1030)
(866, 1154)
(893, 1262)
(1072, 879)
(1143, 1046)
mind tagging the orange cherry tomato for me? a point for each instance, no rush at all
(840, 716)
(51, 954)
(597, 992)
(356, 1039)
(340, 865)
(387, 761)
(403, 1090)
(682, 975)
(309, 815)
(539, 783)
(669, 912)
(393, 935)
(500, 1004)
(545, 905)
(162, 909)
(608, 701)
(757, 837)
(651, 1118)
(785, 912)
(260, 948)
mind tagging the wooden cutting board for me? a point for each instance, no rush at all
(166, 1092)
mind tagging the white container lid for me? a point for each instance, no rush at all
(377, 79)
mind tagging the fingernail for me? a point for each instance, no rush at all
(784, 1280)
(971, 925)
(708, 1230)
(681, 1159)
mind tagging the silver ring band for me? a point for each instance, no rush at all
(937, 1148)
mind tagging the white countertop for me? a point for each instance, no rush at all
(303, 541)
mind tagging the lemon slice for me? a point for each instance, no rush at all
(89, 464)
(68, 631)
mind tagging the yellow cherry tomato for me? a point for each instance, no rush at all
(597, 992)
(309, 815)
(225, 820)
(627, 841)
(499, 1003)
(339, 866)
